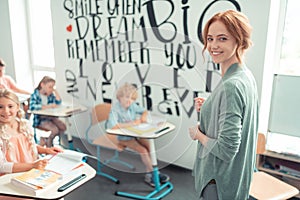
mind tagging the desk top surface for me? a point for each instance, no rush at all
(61, 111)
(7, 188)
(265, 186)
(144, 131)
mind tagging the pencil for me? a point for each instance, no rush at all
(52, 156)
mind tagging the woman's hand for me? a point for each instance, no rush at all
(198, 103)
(194, 132)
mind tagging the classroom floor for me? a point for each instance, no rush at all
(130, 180)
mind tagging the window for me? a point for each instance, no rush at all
(281, 139)
(290, 47)
(41, 39)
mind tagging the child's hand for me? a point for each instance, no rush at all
(137, 122)
(54, 150)
(54, 92)
(40, 164)
(53, 105)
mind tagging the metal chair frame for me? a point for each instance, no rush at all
(100, 113)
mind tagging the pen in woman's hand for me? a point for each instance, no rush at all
(198, 103)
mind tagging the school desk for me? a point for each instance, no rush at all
(160, 190)
(64, 111)
(8, 189)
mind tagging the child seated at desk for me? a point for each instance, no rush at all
(19, 152)
(45, 97)
(125, 113)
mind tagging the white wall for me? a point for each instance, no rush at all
(89, 83)
(176, 147)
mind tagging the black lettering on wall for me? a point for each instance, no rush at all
(158, 27)
(71, 80)
(111, 35)
(200, 23)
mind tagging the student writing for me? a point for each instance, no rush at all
(19, 152)
(125, 113)
(45, 96)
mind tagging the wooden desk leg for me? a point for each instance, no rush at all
(161, 190)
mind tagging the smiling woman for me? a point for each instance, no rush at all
(228, 125)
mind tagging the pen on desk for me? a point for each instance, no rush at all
(161, 130)
(70, 183)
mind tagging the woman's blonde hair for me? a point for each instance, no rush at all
(237, 25)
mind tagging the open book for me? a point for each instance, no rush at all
(61, 166)
(142, 128)
(72, 109)
(66, 163)
(36, 181)
(154, 123)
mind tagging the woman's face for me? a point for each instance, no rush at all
(221, 44)
(8, 110)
